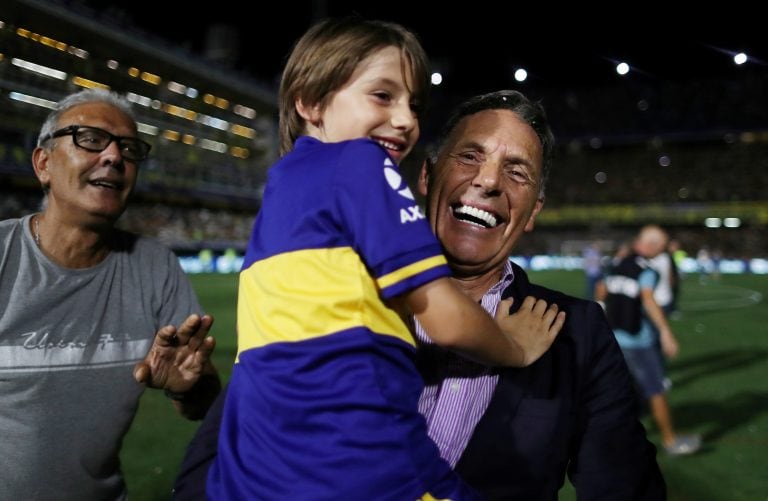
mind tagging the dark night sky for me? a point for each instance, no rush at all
(479, 44)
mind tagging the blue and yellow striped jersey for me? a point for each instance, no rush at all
(322, 403)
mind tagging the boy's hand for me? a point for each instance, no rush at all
(532, 328)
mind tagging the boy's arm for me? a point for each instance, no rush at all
(452, 320)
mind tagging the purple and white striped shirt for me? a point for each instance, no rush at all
(457, 391)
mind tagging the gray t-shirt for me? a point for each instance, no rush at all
(69, 339)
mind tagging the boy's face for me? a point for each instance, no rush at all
(374, 103)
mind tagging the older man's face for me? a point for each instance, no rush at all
(93, 185)
(483, 191)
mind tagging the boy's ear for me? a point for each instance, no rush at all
(309, 113)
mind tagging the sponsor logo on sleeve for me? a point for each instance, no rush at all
(397, 183)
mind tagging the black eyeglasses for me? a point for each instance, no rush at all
(95, 139)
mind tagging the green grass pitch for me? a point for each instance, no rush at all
(720, 389)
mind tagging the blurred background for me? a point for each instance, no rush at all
(677, 135)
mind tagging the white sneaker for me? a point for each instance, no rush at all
(684, 445)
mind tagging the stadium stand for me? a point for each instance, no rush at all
(675, 152)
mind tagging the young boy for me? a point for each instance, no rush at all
(323, 398)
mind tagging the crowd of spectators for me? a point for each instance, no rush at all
(729, 243)
(188, 229)
(672, 146)
(636, 108)
(731, 169)
(183, 228)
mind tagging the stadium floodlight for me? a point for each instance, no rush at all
(39, 69)
(713, 222)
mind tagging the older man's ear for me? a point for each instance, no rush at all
(426, 167)
(532, 218)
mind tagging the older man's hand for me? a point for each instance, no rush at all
(179, 356)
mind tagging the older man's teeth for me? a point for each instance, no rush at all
(475, 216)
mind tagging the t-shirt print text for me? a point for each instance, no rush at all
(41, 341)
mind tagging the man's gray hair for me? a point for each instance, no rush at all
(84, 97)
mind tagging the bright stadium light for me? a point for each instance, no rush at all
(713, 222)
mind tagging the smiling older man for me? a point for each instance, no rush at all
(514, 433)
(511, 433)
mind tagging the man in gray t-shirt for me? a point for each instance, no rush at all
(89, 315)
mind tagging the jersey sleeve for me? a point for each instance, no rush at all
(386, 225)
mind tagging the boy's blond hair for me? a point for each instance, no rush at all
(326, 56)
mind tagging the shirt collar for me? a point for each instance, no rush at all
(489, 300)
(507, 277)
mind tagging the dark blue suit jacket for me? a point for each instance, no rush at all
(573, 410)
